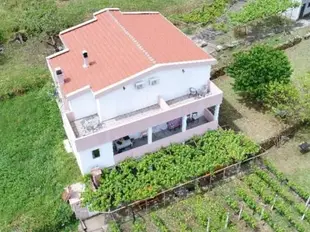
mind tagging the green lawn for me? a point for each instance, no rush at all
(34, 167)
(289, 160)
(299, 58)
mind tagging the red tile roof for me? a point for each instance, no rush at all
(120, 45)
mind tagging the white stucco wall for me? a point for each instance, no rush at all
(83, 105)
(172, 83)
(294, 13)
(86, 161)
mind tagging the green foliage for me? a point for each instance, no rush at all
(260, 9)
(282, 178)
(283, 208)
(133, 180)
(207, 14)
(234, 205)
(34, 168)
(113, 227)
(255, 69)
(22, 69)
(203, 207)
(159, 223)
(290, 101)
(220, 27)
(139, 226)
(1, 37)
(51, 16)
(282, 99)
(251, 203)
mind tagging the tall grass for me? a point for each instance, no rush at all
(34, 167)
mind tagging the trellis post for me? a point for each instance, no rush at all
(208, 225)
(274, 202)
(240, 213)
(303, 216)
(307, 202)
(262, 213)
(227, 220)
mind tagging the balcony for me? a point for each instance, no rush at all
(90, 132)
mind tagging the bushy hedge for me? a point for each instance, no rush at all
(206, 14)
(132, 179)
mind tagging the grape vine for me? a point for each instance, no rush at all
(260, 9)
(133, 179)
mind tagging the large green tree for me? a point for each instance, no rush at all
(255, 69)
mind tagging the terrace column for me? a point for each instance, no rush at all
(184, 123)
(217, 112)
(149, 135)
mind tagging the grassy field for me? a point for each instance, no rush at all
(289, 160)
(34, 167)
(253, 192)
(299, 58)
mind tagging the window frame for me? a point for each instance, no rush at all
(96, 153)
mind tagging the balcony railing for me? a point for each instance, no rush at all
(91, 133)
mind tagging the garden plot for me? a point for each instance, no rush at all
(267, 201)
(236, 114)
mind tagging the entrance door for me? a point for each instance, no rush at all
(302, 10)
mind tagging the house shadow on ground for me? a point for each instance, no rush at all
(228, 116)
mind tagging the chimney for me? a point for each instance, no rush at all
(59, 76)
(85, 59)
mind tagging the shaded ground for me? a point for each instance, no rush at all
(238, 116)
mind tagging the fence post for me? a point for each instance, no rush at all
(274, 201)
(303, 216)
(262, 214)
(208, 225)
(224, 173)
(308, 200)
(240, 213)
(227, 220)
(164, 198)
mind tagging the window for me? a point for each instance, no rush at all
(153, 81)
(309, 4)
(96, 153)
(139, 85)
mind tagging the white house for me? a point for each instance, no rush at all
(299, 12)
(129, 84)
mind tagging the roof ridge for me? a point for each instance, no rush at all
(134, 40)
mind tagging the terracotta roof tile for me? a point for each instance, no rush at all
(120, 45)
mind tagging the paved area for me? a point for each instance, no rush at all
(94, 224)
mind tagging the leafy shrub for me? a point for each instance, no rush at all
(259, 9)
(255, 69)
(290, 101)
(205, 15)
(139, 226)
(282, 99)
(113, 227)
(132, 179)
